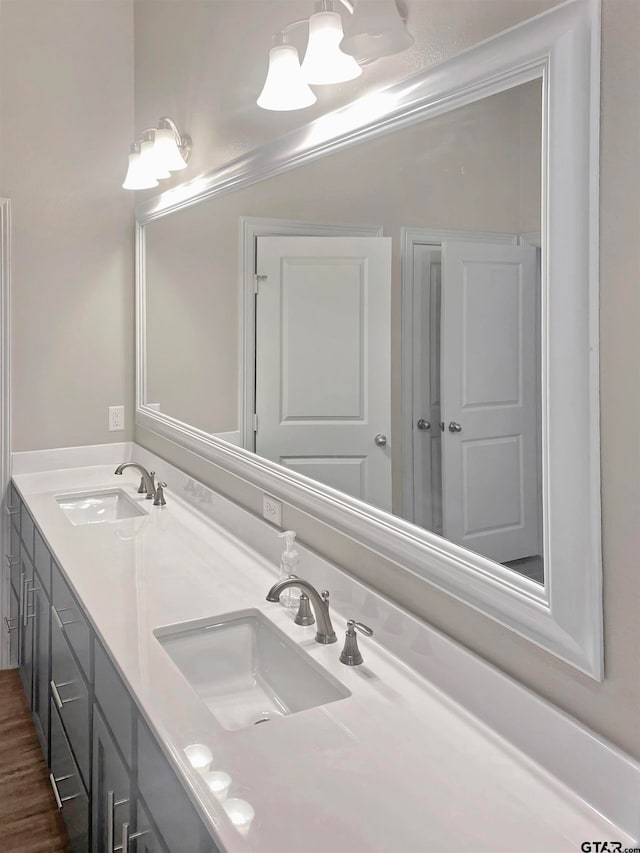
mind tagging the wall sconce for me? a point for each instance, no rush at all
(375, 29)
(161, 150)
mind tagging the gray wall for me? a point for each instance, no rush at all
(210, 89)
(66, 102)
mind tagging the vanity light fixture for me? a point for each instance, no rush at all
(324, 63)
(375, 30)
(161, 150)
(285, 88)
(332, 55)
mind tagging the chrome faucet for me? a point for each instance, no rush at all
(325, 633)
(147, 479)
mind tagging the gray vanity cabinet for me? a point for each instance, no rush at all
(67, 786)
(111, 791)
(114, 786)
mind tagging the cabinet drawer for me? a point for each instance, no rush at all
(42, 562)
(69, 616)
(27, 529)
(14, 507)
(70, 695)
(68, 788)
(114, 701)
(171, 810)
(13, 558)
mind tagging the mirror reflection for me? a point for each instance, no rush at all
(394, 341)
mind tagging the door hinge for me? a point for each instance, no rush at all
(256, 281)
(255, 423)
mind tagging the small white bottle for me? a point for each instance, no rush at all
(289, 566)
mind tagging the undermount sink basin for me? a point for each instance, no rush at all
(110, 505)
(246, 670)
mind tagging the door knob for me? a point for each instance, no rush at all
(422, 424)
(454, 427)
(380, 439)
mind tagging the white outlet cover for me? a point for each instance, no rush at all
(272, 510)
(116, 418)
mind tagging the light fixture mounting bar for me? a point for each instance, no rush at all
(183, 141)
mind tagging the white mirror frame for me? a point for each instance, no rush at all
(562, 46)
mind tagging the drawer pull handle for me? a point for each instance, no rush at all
(126, 837)
(111, 805)
(25, 606)
(62, 624)
(12, 559)
(56, 793)
(13, 510)
(56, 694)
(10, 628)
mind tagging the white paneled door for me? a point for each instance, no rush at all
(490, 473)
(323, 377)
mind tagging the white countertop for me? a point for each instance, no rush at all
(397, 767)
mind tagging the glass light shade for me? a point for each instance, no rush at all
(138, 178)
(150, 160)
(324, 62)
(285, 88)
(375, 30)
(165, 149)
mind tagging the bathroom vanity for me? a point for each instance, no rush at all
(149, 654)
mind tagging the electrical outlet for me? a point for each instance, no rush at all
(272, 510)
(116, 418)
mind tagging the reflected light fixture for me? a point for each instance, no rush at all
(374, 28)
(324, 63)
(285, 88)
(161, 150)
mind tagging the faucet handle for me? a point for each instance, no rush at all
(150, 495)
(304, 616)
(350, 655)
(364, 629)
(159, 496)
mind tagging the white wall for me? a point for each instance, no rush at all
(66, 107)
(219, 53)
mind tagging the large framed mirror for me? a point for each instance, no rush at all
(389, 318)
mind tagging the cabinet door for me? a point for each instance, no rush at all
(26, 628)
(111, 790)
(41, 676)
(68, 788)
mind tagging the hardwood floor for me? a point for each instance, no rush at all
(29, 819)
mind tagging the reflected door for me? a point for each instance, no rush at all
(323, 378)
(490, 474)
